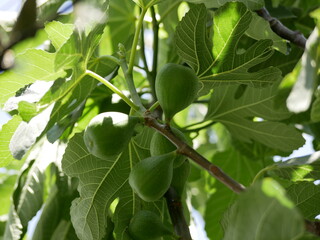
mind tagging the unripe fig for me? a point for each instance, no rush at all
(180, 177)
(108, 133)
(176, 88)
(151, 177)
(160, 145)
(146, 225)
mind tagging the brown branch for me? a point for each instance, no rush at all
(313, 227)
(188, 151)
(176, 214)
(29, 32)
(293, 36)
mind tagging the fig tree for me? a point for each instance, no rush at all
(146, 225)
(108, 133)
(151, 177)
(176, 88)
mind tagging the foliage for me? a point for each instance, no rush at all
(257, 96)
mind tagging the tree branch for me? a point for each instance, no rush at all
(313, 227)
(293, 36)
(176, 214)
(185, 149)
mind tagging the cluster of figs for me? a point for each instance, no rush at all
(108, 133)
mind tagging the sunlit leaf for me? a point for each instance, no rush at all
(252, 4)
(305, 168)
(30, 66)
(6, 134)
(26, 134)
(58, 33)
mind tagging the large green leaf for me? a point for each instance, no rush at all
(238, 115)
(30, 66)
(227, 66)
(239, 168)
(6, 134)
(263, 212)
(100, 183)
(252, 4)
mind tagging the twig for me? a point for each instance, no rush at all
(185, 149)
(313, 227)
(293, 36)
(23, 35)
(155, 27)
(176, 214)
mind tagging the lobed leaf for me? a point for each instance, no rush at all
(58, 33)
(101, 182)
(30, 66)
(191, 39)
(6, 134)
(238, 115)
(224, 65)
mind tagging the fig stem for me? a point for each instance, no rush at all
(113, 89)
(135, 40)
(186, 150)
(154, 106)
(132, 89)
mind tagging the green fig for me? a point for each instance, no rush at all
(180, 177)
(160, 145)
(146, 225)
(176, 88)
(108, 133)
(151, 177)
